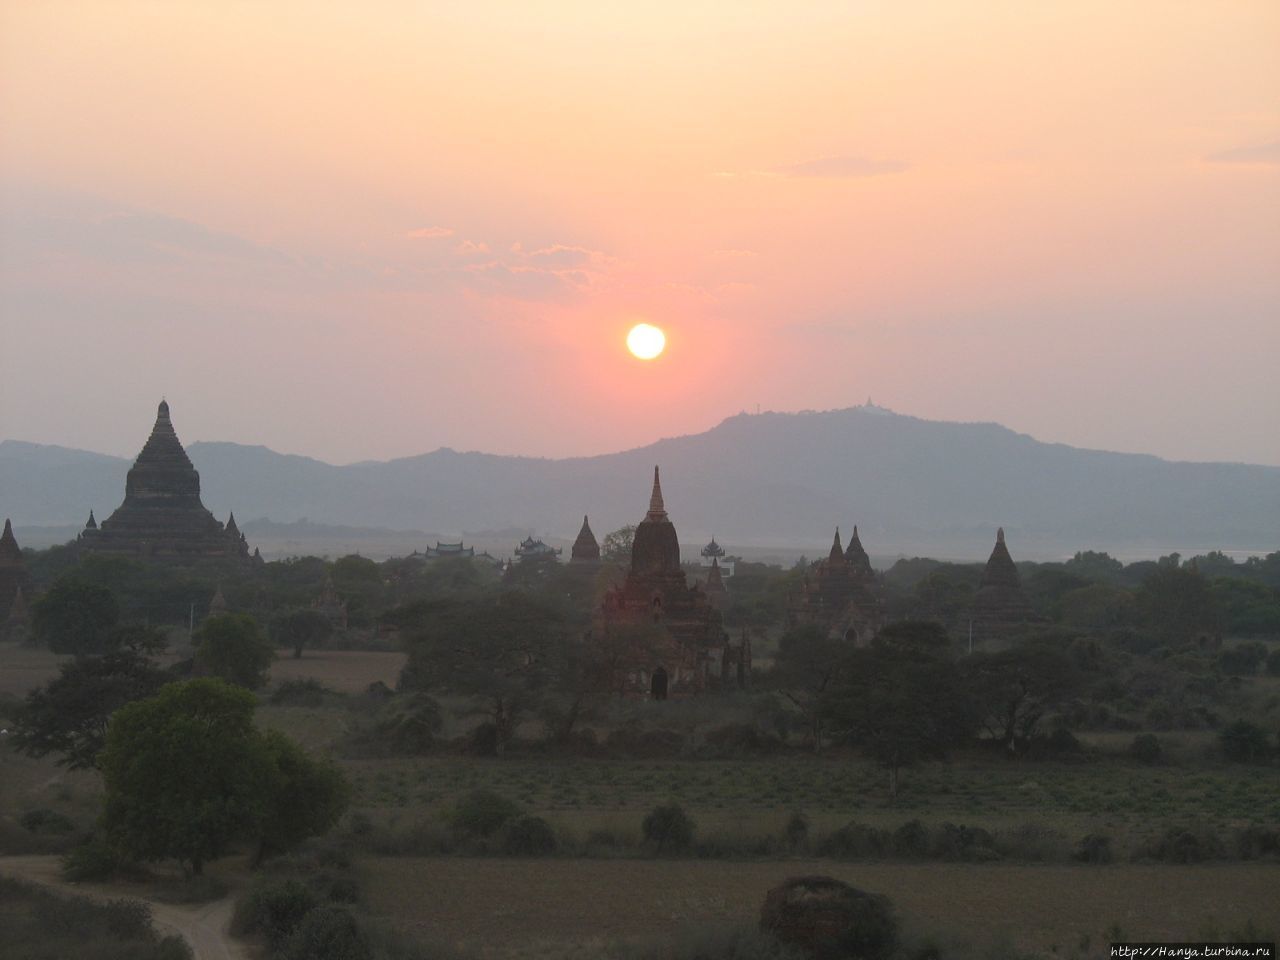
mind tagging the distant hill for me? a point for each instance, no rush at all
(912, 486)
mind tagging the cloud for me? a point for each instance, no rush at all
(429, 233)
(1267, 153)
(559, 257)
(471, 247)
(840, 167)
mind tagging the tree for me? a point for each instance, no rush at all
(299, 627)
(309, 797)
(75, 617)
(186, 774)
(1017, 687)
(500, 654)
(231, 646)
(900, 701)
(616, 547)
(1178, 602)
(805, 667)
(69, 714)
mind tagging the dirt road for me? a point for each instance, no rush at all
(205, 926)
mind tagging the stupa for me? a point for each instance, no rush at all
(840, 594)
(14, 578)
(999, 606)
(162, 516)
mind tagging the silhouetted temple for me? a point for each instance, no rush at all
(999, 607)
(677, 642)
(585, 549)
(162, 516)
(14, 579)
(840, 594)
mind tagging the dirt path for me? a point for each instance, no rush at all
(205, 926)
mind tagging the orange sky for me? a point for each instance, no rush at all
(366, 230)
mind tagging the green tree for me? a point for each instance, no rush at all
(1177, 602)
(1017, 687)
(298, 628)
(75, 617)
(309, 796)
(69, 715)
(616, 546)
(231, 646)
(186, 774)
(805, 667)
(501, 654)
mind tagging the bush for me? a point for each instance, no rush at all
(529, 837)
(482, 813)
(1094, 848)
(483, 740)
(1190, 844)
(1244, 742)
(46, 821)
(830, 920)
(1033, 841)
(668, 828)
(274, 909)
(409, 724)
(911, 840)
(1273, 663)
(1145, 748)
(856, 841)
(1255, 842)
(797, 830)
(301, 693)
(1243, 659)
(328, 933)
(953, 842)
(95, 859)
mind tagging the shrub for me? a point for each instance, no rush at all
(1273, 663)
(301, 693)
(274, 909)
(668, 828)
(1033, 841)
(95, 859)
(1255, 842)
(951, 842)
(529, 837)
(1243, 659)
(409, 724)
(46, 821)
(911, 840)
(1190, 844)
(1145, 748)
(482, 813)
(856, 840)
(483, 740)
(1094, 848)
(738, 739)
(830, 920)
(328, 933)
(797, 830)
(1244, 742)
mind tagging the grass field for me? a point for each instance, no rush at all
(562, 908)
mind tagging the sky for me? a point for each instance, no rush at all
(360, 231)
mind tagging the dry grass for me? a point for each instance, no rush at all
(346, 671)
(524, 909)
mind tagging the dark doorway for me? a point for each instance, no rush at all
(658, 686)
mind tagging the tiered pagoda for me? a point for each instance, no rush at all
(840, 594)
(683, 643)
(999, 607)
(14, 579)
(585, 551)
(162, 516)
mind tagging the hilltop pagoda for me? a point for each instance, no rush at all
(162, 516)
(676, 644)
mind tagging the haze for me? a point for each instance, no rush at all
(364, 232)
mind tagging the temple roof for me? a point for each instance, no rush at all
(1000, 570)
(715, 582)
(855, 555)
(656, 549)
(585, 547)
(92, 524)
(9, 550)
(713, 549)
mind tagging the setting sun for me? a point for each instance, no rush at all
(646, 341)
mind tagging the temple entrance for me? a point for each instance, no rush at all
(658, 685)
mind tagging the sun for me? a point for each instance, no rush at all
(645, 341)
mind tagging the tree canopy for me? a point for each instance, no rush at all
(75, 616)
(231, 646)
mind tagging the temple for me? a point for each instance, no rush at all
(840, 595)
(162, 516)
(674, 644)
(999, 606)
(585, 549)
(14, 579)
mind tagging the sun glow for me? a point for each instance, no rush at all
(645, 341)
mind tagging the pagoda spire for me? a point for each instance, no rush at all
(656, 509)
(92, 524)
(9, 548)
(837, 551)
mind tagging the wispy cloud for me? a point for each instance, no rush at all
(1267, 153)
(840, 167)
(429, 233)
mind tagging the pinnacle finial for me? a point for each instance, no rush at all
(837, 551)
(1000, 535)
(162, 412)
(656, 508)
